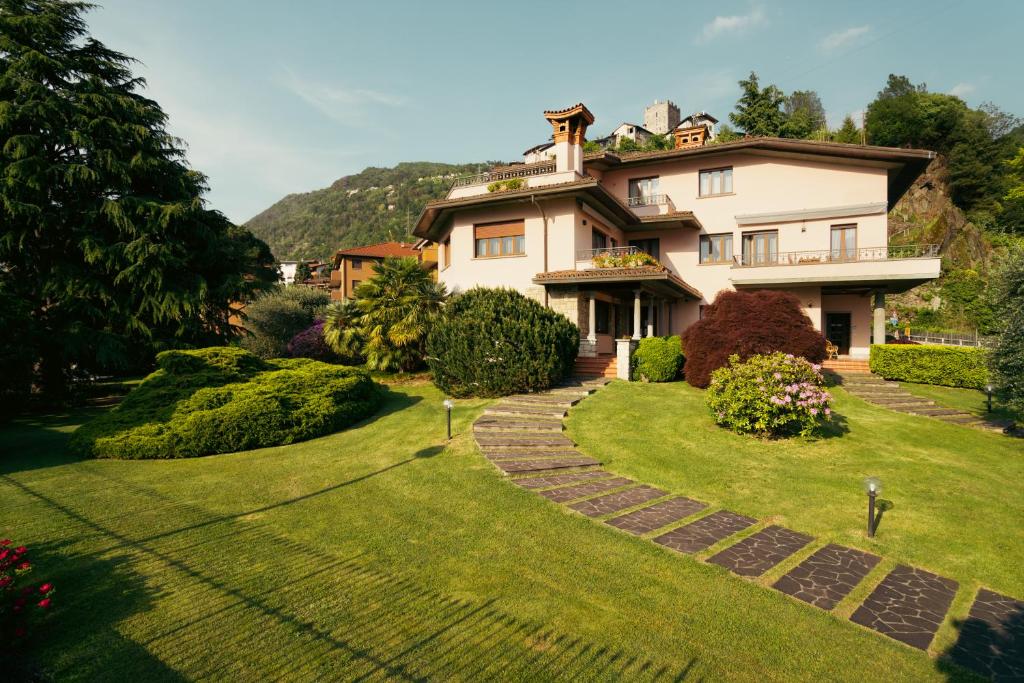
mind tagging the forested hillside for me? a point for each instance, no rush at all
(372, 206)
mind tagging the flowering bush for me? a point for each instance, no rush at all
(635, 260)
(20, 600)
(775, 394)
(310, 343)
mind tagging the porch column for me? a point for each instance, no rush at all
(650, 317)
(636, 314)
(878, 333)
(592, 318)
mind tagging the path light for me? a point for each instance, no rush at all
(989, 390)
(448, 405)
(873, 486)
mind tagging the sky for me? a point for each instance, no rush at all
(274, 98)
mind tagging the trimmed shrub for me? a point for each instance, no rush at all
(221, 400)
(493, 342)
(769, 395)
(274, 318)
(658, 359)
(310, 343)
(950, 366)
(745, 324)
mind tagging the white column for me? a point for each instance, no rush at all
(592, 319)
(650, 317)
(878, 336)
(636, 314)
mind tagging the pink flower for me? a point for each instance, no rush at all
(828, 411)
(5, 581)
(814, 411)
(25, 565)
(46, 588)
(5, 541)
(777, 375)
(21, 549)
(44, 603)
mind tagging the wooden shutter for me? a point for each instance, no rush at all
(502, 229)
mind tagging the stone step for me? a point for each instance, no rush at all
(827, 576)
(565, 494)
(991, 639)
(908, 605)
(512, 466)
(529, 453)
(514, 427)
(932, 412)
(548, 481)
(522, 441)
(613, 502)
(705, 532)
(756, 554)
(525, 411)
(543, 400)
(648, 519)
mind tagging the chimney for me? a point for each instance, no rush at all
(694, 136)
(569, 132)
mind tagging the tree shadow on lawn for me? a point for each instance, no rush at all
(213, 606)
(992, 647)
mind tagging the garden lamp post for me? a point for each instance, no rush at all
(989, 390)
(448, 405)
(873, 487)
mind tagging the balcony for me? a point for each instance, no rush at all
(895, 267)
(650, 205)
(518, 177)
(613, 257)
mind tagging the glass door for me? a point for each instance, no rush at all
(844, 242)
(760, 248)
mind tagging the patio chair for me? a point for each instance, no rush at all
(831, 351)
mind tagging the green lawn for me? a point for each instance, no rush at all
(376, 553)
(968, 400)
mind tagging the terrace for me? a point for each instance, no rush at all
(515, 177)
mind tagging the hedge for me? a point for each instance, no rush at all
(951, 366)
(493, 342)
(221, 400)
(658, 359)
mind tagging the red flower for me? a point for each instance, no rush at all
(4, 581)
(21, 549)
(4, 553)
(19, 632)
(6, 541)
(46, 588)
(25, 565)
(44, 603)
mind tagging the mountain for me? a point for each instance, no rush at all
(375, 205)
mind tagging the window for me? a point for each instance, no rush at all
(507, 238)
(602, 315)
(643, 191)
(356, 283)
(716, 248)
(357, 264)
(598, 240)
(716, 181)
(844, 242)
(760, 248)
(446, 253)
(649, 246)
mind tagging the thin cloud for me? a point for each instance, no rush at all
(840, 39)
(962, 89)
(736, 24)
(348, 106)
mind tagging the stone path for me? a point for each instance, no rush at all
(522, 436)
(891, 395)
(827, 576)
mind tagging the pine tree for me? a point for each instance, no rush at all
(106, 237)
(805, 115)
(848, 132)
(758, 110)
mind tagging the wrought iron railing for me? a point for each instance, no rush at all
(648, 200)
(800, 258)
(589, 254)
(504, 174)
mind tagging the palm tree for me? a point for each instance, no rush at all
(341, 330)
(396, 309)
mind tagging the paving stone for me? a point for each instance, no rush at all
(656, 516)
(991, 640)
(908, 605)
(544, 464)
(827, 576)
(522, 440)
(544, 482)
(525, 411)
(567, 493)
(613, 502)
(545, 399)
(705, 532)
(756, 554)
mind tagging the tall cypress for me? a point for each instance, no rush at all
(105, 237)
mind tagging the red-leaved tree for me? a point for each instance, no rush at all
(748, 323)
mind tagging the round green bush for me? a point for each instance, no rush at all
(776, 394)
(221, 400)
(494, 342)
(658, 359)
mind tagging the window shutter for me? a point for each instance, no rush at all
(503, 229)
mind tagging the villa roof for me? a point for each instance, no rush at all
(904, 165)
(539, 148)
(380, 250)
(658, 278)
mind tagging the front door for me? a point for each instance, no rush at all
(837, 330)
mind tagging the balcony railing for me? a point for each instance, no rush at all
(648, 200)
(504, 174)
(589, 254)
(802, 258)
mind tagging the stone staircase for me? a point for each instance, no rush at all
(597, 366)
(891, 395)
